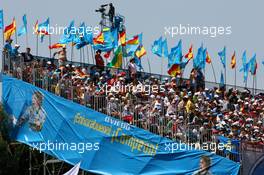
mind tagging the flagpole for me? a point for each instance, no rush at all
(37, 45)
(149, 65)
(15, 33)
(92, 53)
(253, 84)
(235, 75)
(27, 38)
(83, 55)
(71, 51)
(213, 71)
(161, 66)
(225, 75)
(87, 50)
(50, 44)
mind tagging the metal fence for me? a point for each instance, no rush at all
(132, 110)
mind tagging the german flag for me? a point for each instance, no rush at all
(10, 30)
(122, 38)
(141, 51)
(174, 70)
(233, 60)
(189, 55)
(99, 39)
(208, 58)
(56, 46)
(133, 41)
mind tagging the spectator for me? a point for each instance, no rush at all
(27, 56)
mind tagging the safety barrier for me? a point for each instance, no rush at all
(133, 110)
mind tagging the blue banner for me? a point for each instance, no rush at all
(103, 145)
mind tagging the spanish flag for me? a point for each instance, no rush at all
(99, 39)
(56, 46)
(122, 38)
(36, 28)
(233, 60)
(133, 41)
(141, 51)
(174, 70)
(10, 30)
(189, 55)
(208, 58)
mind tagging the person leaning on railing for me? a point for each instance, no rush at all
(62, 56)
(27, 57)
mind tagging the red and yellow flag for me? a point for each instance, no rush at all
(10, 30)
(189, 55)
(99, 39)
(56, 46)
(208, 58)
(122, 38)
(174, 70)
(141, 52)
(233, 61)
(133, 41)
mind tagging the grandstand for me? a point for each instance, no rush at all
(194, 115)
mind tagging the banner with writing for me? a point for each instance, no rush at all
(103, 145)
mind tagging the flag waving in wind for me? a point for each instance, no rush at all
(175, 55)
(253, 65)
(10, 30)
(208, 58)
(1, 19)
(222, 55)
(233, 60)
(23, 29)
(156, 48)
(43, 29)
(189, 55)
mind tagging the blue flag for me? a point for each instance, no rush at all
(156, 48)
(253, 65)
(138, 63)
(222, 56)
(203, 59)
(1, 19)
(23, 29)
(44, 29)
(175, 56)
(68, 35)
(198, 58)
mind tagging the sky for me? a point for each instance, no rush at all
(151, 18)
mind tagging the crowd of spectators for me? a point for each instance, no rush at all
(169, 106)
